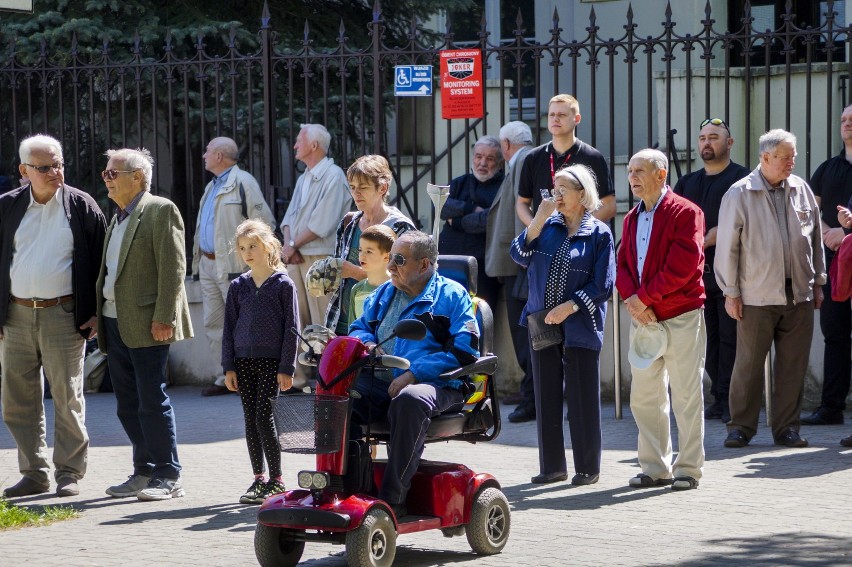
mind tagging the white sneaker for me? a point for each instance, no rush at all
(162, 489)
(129, 487)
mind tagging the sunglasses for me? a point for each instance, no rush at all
(110, 174)
(45, 168)
(716, 122)
(398, 259)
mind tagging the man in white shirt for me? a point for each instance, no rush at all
(231, 197)
(51, 241)
(320, 200)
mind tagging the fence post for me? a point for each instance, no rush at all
(378, 111)
(270, 140)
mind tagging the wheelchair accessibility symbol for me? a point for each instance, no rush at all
(412, 80)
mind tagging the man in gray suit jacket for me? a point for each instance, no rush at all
(502, 227)
(142, 309)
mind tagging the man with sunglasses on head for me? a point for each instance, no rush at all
(706, 187)
(231, 197)
(51, 240)
(410, 399)
(142, 309)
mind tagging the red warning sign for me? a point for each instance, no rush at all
(461, 84)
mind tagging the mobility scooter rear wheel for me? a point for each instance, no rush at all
(373, 543)
(277, 547)
(488, 529)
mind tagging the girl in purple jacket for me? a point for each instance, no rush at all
(258, 349)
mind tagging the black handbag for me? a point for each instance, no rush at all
(543, 335)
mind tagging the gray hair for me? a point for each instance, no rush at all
(517, 133)
(655, 157)
(38, 142)
(489, 141)
(140, 159)
(227, 146)
(774, 138)
(319, 134)
(422, 245)
(585, 177)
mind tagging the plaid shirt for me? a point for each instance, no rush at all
(345, 236)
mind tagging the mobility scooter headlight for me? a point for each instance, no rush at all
(320, 480)
(305, 478)
(312, 480)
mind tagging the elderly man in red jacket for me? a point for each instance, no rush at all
(659, 272)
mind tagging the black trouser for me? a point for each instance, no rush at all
(721, 340)
(579, 371)
(835, 322)
(520, 339)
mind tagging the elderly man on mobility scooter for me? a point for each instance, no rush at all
(428, 322)
(411, 399)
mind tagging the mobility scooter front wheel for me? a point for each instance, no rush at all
(488, 529)
(277, 547)
(373, 543)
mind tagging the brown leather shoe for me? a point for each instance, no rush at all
(846, 441)
(25, 487)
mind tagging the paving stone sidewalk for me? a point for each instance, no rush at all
(762, 505)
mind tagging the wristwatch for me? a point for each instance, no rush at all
(574, 307)
(292, 243)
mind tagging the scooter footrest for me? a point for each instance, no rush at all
(302, 518)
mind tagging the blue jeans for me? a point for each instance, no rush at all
(143, 407)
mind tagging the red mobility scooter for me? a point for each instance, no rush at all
(337, 503)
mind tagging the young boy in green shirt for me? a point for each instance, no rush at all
(374, 254)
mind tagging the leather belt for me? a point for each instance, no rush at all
(36, 303)
(208, 255)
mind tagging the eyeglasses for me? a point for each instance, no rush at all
(561, 192)
(110, 174)
(715, 122)
(45, 168)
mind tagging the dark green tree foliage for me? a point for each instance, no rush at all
(95, 22)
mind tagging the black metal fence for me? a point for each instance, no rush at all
(635, 89)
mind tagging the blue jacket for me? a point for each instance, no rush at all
(587, 279)
(452, 335)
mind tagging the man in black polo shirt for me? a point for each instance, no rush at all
(832, 186)
(539, 167)
(706, 187)
(563, 150)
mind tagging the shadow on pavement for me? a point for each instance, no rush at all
(230, 517)
(783, 549)
(803, 464)
(405, 555)
(565, 496)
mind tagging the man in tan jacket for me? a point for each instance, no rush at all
(770, 266)
(231, 197)
(142, 309)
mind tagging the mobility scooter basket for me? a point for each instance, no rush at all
(309, 423)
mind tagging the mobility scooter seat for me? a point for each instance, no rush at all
(476, 418)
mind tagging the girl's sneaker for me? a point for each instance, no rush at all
(255, 492)
(273, 487)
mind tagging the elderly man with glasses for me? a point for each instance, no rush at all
(142, 309)
(51, 238)
(706, 187)
(411, 398)
(770, 265)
